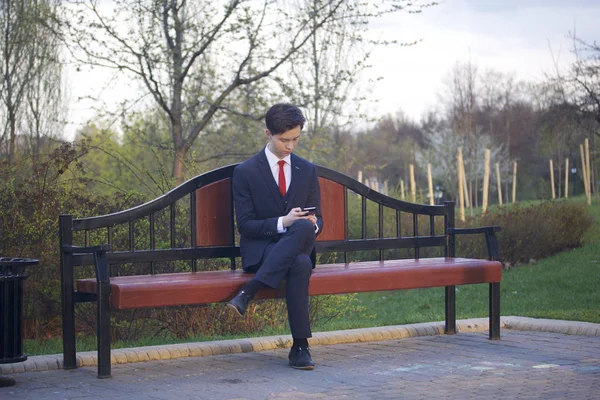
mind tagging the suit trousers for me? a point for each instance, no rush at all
(289, 259)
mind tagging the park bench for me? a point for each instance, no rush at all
(406, 245)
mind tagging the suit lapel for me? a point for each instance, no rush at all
(297, 177)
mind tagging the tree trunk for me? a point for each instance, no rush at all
(12, 136)
(181, 147)
(476, 191)
(179, 165)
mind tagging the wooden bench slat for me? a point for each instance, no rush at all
(218, 286)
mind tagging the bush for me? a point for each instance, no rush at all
(530, 232)
(33, 193)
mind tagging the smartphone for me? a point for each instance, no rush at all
(311, 210)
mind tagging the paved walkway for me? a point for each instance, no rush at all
(546, 360)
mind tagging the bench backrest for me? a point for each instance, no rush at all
(196, 221)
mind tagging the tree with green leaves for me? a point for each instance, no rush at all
(193, 59)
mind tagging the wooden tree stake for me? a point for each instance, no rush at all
(413, 184)
(430, 181)
(552, 180)
(466, 187)
(566, 178)
(461, 193)
(486, 180)
(514, 191)
(499, 183)
(583, 171)
(588, 170)
(402, 196)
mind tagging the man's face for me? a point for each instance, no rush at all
(284, 144)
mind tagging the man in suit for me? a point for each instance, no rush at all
(277, 243)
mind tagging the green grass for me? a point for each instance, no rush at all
(565, 286)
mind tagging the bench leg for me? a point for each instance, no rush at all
(69, 352)
(68, 318)
(450, 326)
(103, 330)
(495, 311)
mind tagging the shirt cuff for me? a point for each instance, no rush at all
(280, 228)
(316, 228)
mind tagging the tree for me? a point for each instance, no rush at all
(385, 151)
(442, 147)
(29, 50)
(578, 89)
(45, 115)
(193, 58)
(462, 106)
(119, 166)
(584, 77)
(325, 74)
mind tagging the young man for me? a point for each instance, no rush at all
(270, 191)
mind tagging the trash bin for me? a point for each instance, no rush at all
(12, 275)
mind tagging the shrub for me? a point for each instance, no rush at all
(33, 193)
(530, 232)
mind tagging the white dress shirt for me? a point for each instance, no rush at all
(273, 161)
(274, 164)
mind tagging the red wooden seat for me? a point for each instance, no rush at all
(161, 290)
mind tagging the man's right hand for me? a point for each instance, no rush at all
(294, 215)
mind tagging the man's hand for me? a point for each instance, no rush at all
(296, 214)
(312, 218)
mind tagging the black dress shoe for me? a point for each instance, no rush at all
(239, 303)
(300, 358)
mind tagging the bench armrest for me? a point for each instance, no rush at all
(491, 239)
(99, 253)
(86, 250)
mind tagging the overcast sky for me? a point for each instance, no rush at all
(522, 37)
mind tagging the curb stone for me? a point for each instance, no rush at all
(174, 351)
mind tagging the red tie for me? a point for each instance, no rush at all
(281, 177)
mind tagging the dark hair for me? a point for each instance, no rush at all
(282, 117)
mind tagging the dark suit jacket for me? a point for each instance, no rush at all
(258, 203)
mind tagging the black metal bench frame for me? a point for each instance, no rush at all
(101, 256)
